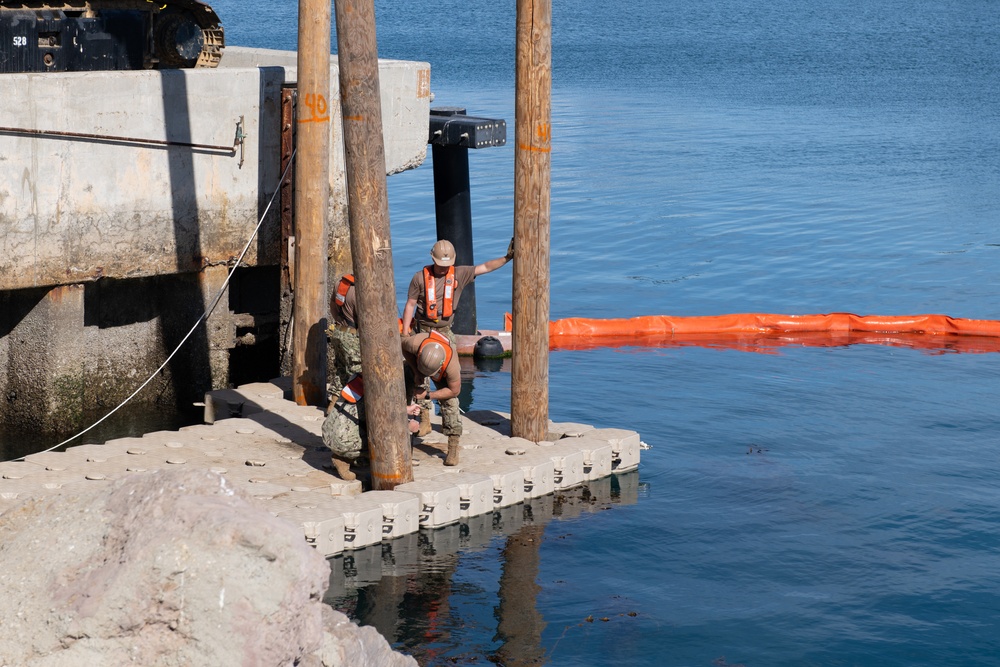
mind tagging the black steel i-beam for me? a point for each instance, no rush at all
(452, 134)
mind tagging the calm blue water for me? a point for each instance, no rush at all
(814, 506)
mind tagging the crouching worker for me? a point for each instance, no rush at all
(430, 355)
(345, 431)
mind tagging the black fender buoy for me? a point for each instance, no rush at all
(488, 347)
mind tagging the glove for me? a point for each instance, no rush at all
(510, 251)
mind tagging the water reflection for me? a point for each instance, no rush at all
(409, 589)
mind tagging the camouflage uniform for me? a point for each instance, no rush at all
(344, 430)
(345, 356)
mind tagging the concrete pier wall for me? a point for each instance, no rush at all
(115, 233)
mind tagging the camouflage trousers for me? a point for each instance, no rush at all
(344, 429)
(344, 358)
(451, 414)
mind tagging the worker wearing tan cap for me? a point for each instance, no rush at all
(434, 291)
(432, 299)
(429, 355)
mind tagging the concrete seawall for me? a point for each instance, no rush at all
(124, 198)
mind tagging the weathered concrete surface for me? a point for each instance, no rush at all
(167, 568)
(111, 249)
(76, 209)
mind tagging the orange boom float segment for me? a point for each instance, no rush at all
(761, 332)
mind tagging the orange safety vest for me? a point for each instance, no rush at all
(431, 295)
(435, 337)
(346, 282)
(354, 390)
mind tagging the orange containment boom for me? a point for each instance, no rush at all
(759, 332)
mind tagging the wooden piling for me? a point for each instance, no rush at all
(312, 194)
(529, 401)
(368, 212)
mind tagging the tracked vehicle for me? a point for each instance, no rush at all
(87, 35)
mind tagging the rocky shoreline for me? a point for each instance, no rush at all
(168, 568)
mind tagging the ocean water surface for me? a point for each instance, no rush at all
(835, 505)
(806, 506)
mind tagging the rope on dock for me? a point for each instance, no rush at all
(204, 316)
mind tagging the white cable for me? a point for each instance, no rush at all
(215, 302)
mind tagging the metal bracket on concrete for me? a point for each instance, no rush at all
(451, 134)
(450, 126)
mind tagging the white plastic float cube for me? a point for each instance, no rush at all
(323, 528)
(362, 521)
(475, 491)
(567, 465)
(400, 512)
(440, 501)
(508, 482)
(597, 457)
(624, 447)
(539, 472)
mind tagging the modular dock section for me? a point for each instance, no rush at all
(271, 448)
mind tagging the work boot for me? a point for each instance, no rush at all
(425, 422)
(452, 458)
(343, 468)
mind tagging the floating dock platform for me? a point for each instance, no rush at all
(271, 449)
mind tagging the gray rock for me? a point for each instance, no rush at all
(168, 568)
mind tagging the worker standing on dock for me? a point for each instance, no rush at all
(432, 299)
(434, 291)
(430, 356)
(345, 345)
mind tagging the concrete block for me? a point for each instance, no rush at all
(323, 528)
(475, 491)
(400, 512)
(508, 482)
(440, 501)
(362, 521)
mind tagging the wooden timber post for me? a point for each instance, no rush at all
(529, 400)
(312, 201)
(368, 214)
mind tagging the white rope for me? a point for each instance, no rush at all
(208, 311)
